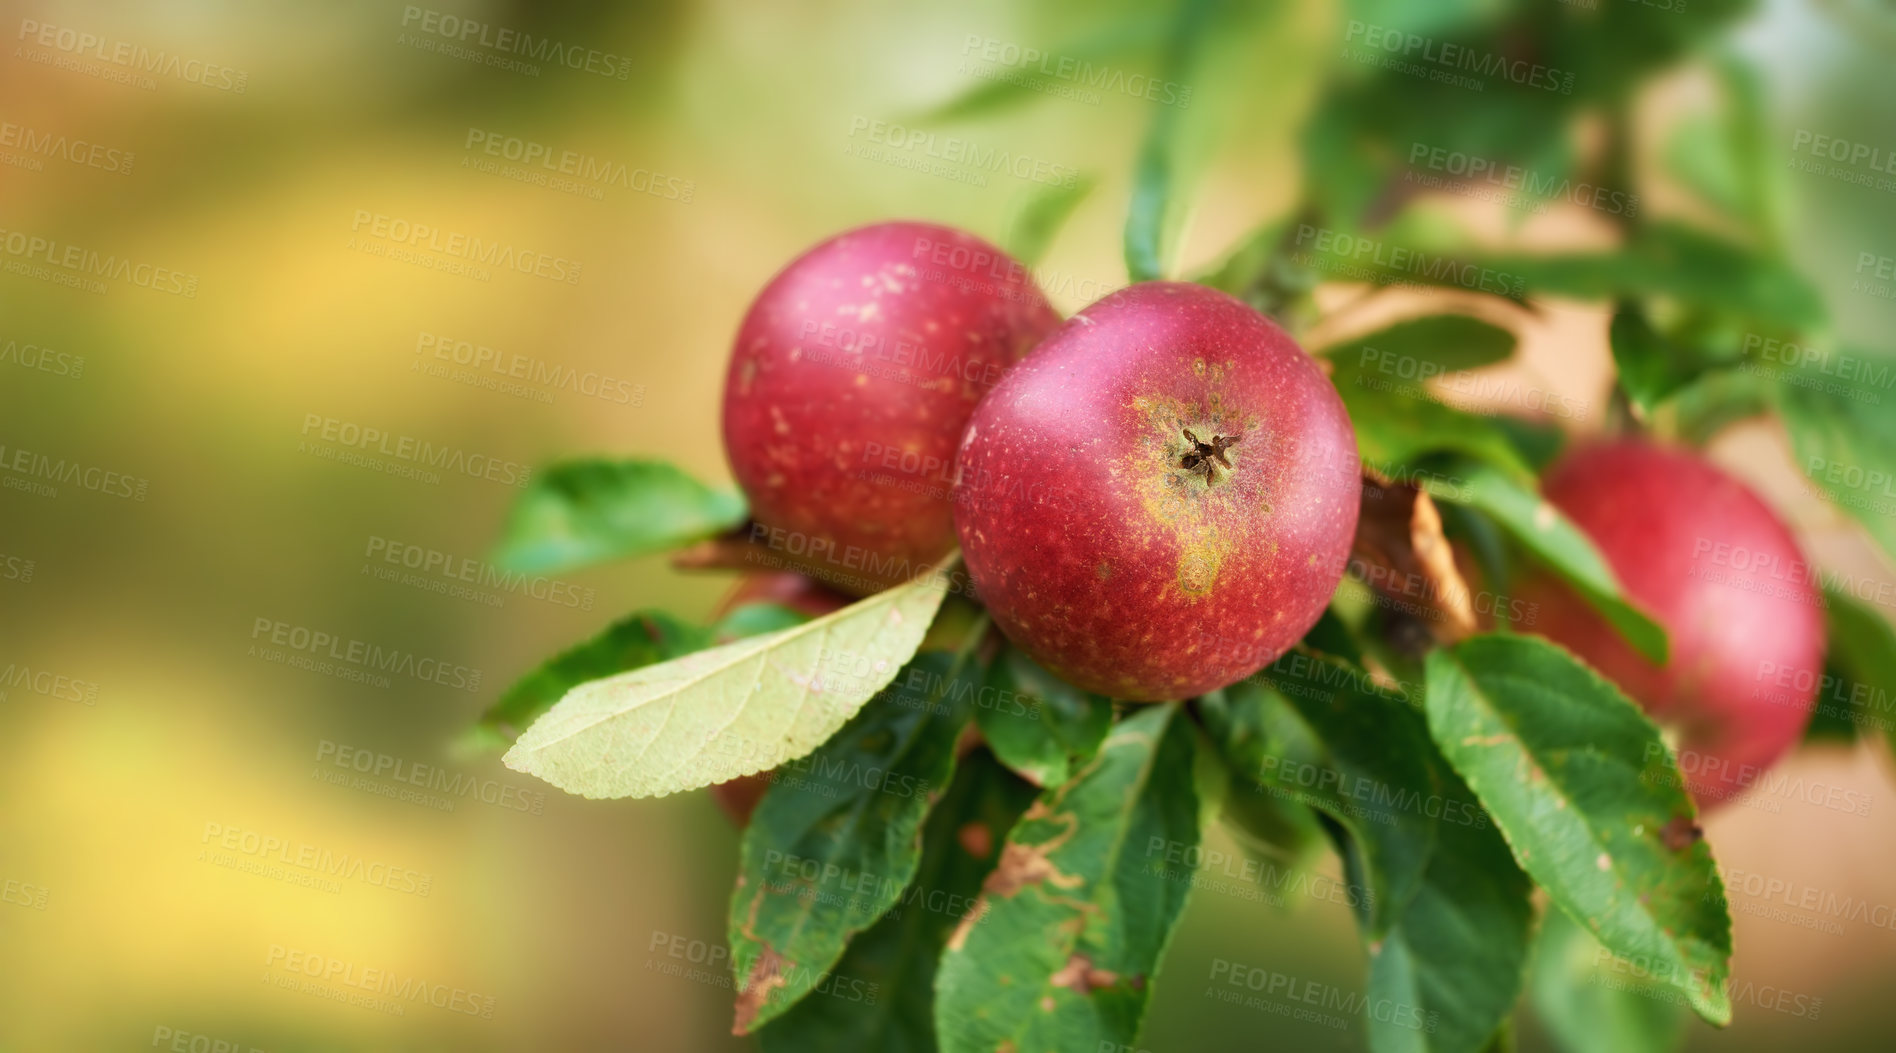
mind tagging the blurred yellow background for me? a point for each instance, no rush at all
(171, 767)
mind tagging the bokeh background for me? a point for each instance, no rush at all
(158, 721)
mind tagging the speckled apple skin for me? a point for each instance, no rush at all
(1103, 557)
(852, 377)
(1657, 514)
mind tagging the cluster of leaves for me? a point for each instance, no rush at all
(900, 889)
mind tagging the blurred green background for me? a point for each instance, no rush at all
(126, 922)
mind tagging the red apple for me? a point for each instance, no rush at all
(1159, 501)
(852, 377)
(1708, 560)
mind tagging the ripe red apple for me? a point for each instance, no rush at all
(738, 797)
(853, 374)
(1160, 499)
(1716, 567)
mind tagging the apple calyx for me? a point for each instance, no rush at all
(1207, 456)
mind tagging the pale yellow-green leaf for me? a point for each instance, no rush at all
(733, 710)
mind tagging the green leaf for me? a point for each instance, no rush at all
(1859, 685)
(1537, 442)
(1448, 914)
(1546, 532)
(1715, 401)
(1456, 951)
(732, 710)
(1060, 950)
(633, 642)
(585, 511)
(838, 836)
(1156, 172)
(1284, 832)
(1651, 367)
(1698, 153)
(1594, 1003)
(1250, 263)
(1846, 446)
(1119, 43)
(1042, 215)
(1686, 265)
(1421, 348)
(756, 619)
(1331, 636)
(1447, 16)
(1588, 796)
(898, 954)
(1315, 732)
(1398, 423)
(1038, 724)
(1724, 157)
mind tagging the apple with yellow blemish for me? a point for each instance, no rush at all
(1159, 500)
(851, 379)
